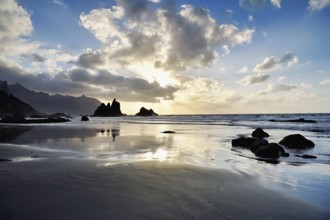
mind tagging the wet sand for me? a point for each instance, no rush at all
(61, 173)
(57, 188)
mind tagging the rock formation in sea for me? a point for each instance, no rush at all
(84, 118)
(296, 141)
(145, 112)
(259, 146)
(108, 110)
(271, 150)
(259, 133)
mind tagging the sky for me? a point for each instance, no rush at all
(175, 56)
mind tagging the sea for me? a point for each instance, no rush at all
(197, 140)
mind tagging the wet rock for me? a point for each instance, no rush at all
(271, 150)
(4, 160)
(257, 144)
(259, 133)
(84, 118)
(296, 141)
(244, 142)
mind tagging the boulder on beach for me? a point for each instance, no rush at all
(259, 133)
(84, 118)
(145, 112)
(244, 142)
(271, 150)
(257, 144)
(296, 141)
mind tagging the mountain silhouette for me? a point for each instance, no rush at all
(10, 105)
(47, 103)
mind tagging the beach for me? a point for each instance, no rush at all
(119, 169)
(66, 189)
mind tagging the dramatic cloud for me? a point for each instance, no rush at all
(272, 63)
(253, 79)
(316, 5)
(165, 38)
(325, 82)
(14, 21)
(125, 88)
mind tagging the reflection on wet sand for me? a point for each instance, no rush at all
(9, 133)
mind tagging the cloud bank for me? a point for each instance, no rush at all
(171, 40)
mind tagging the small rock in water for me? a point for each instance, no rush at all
(4, 160)
(168, 132)
(306, 156)
(84, 118)
(259, 133)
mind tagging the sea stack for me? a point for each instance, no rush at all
(145, 112)
(108, 110)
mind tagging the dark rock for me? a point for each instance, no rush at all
(108, 110)
(306, 156)
(4, 160)
(285, 154)
(259, 133)
(271, 150)
(168, 132)
(256, 144)
(243, 142)
(84, 118)
(317, 130)
(34, 156)
(145, 112)
(300, 120)
(296, 141)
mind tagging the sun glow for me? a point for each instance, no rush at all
(149, 72)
